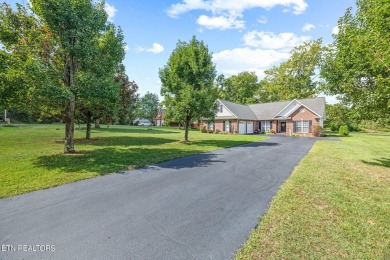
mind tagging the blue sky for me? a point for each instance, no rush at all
(242, 34)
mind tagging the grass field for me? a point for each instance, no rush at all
(336, 205)
(31, 156)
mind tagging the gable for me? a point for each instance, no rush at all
(288, 110)
(223, 111)
(294, 106)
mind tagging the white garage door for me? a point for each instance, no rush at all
(242, 127)
(249, 127)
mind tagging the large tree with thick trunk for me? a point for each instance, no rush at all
(188, 84)
(75, 24)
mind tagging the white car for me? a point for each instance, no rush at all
(144, 123)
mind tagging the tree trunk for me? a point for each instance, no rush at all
(187, 127)
(69, 72)
(88, 133)
(186, 132)
(97, 123)
(69, 126)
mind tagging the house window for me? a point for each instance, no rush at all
(302, 126)
(226, 126)
(266, 126)
(211, 126)
(220, 109)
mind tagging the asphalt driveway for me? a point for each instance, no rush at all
(198, 207)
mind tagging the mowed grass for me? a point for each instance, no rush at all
(32, 158)
(336, 205)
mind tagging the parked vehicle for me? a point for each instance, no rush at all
(145, 123)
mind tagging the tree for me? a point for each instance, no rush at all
(357, 66)
(295, 78)
(239, 88)
(147, 106)
(28, 74)
(340, 114)
(188, 83)
(75, 24)
(128, 99)
(97, 90)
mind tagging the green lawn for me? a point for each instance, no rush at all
(336, 205)
(31, 156)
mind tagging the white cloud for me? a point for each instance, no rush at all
(233, 6)
(246, 59)
(308, 27)
(225, 13)
(262, 20)
(269, 40)
(220, 22)
(111, 11)
(156, 48)
(335, 30)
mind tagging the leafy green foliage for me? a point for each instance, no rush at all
(357, 66)
(147, 106)
(187, 84)
(294, 78)
(28, 74)
(343, 130)
(339, 114)
(240, 88)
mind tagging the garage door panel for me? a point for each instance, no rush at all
(249, 128)
(242, 127)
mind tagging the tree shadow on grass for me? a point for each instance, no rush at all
(384, 162)
(116, 159)
(133, 129)
(122, 141)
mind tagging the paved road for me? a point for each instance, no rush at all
(198, 207)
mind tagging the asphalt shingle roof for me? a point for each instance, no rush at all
(267, 111)
(240, 111)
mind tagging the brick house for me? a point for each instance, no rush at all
(159, 118)
(295, 116)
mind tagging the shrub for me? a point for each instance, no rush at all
(210, 131)
(272, 131)
(334, 127)
(318, 131)
(217, 131)
(343, 130)
(203, 129)
(353, 127)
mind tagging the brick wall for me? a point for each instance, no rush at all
(306, 115)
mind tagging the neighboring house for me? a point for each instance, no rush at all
(295, 116)
(159, 119)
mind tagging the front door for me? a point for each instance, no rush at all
(282, 127)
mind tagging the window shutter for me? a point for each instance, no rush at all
(310, 122)
(295, 127)
(223, 126)
(270, 125)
